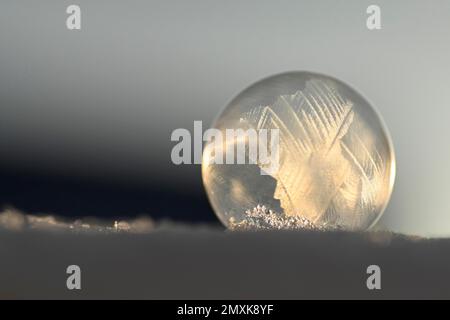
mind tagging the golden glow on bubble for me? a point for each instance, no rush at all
(336, 160)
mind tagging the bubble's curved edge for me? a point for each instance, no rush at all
(393, 165)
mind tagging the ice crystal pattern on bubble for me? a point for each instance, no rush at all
(327, 173)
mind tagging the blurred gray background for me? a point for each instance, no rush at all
(98, 105)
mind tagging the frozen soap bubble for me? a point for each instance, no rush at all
(335, 161)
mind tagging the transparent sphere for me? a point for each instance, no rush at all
(327, 161)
